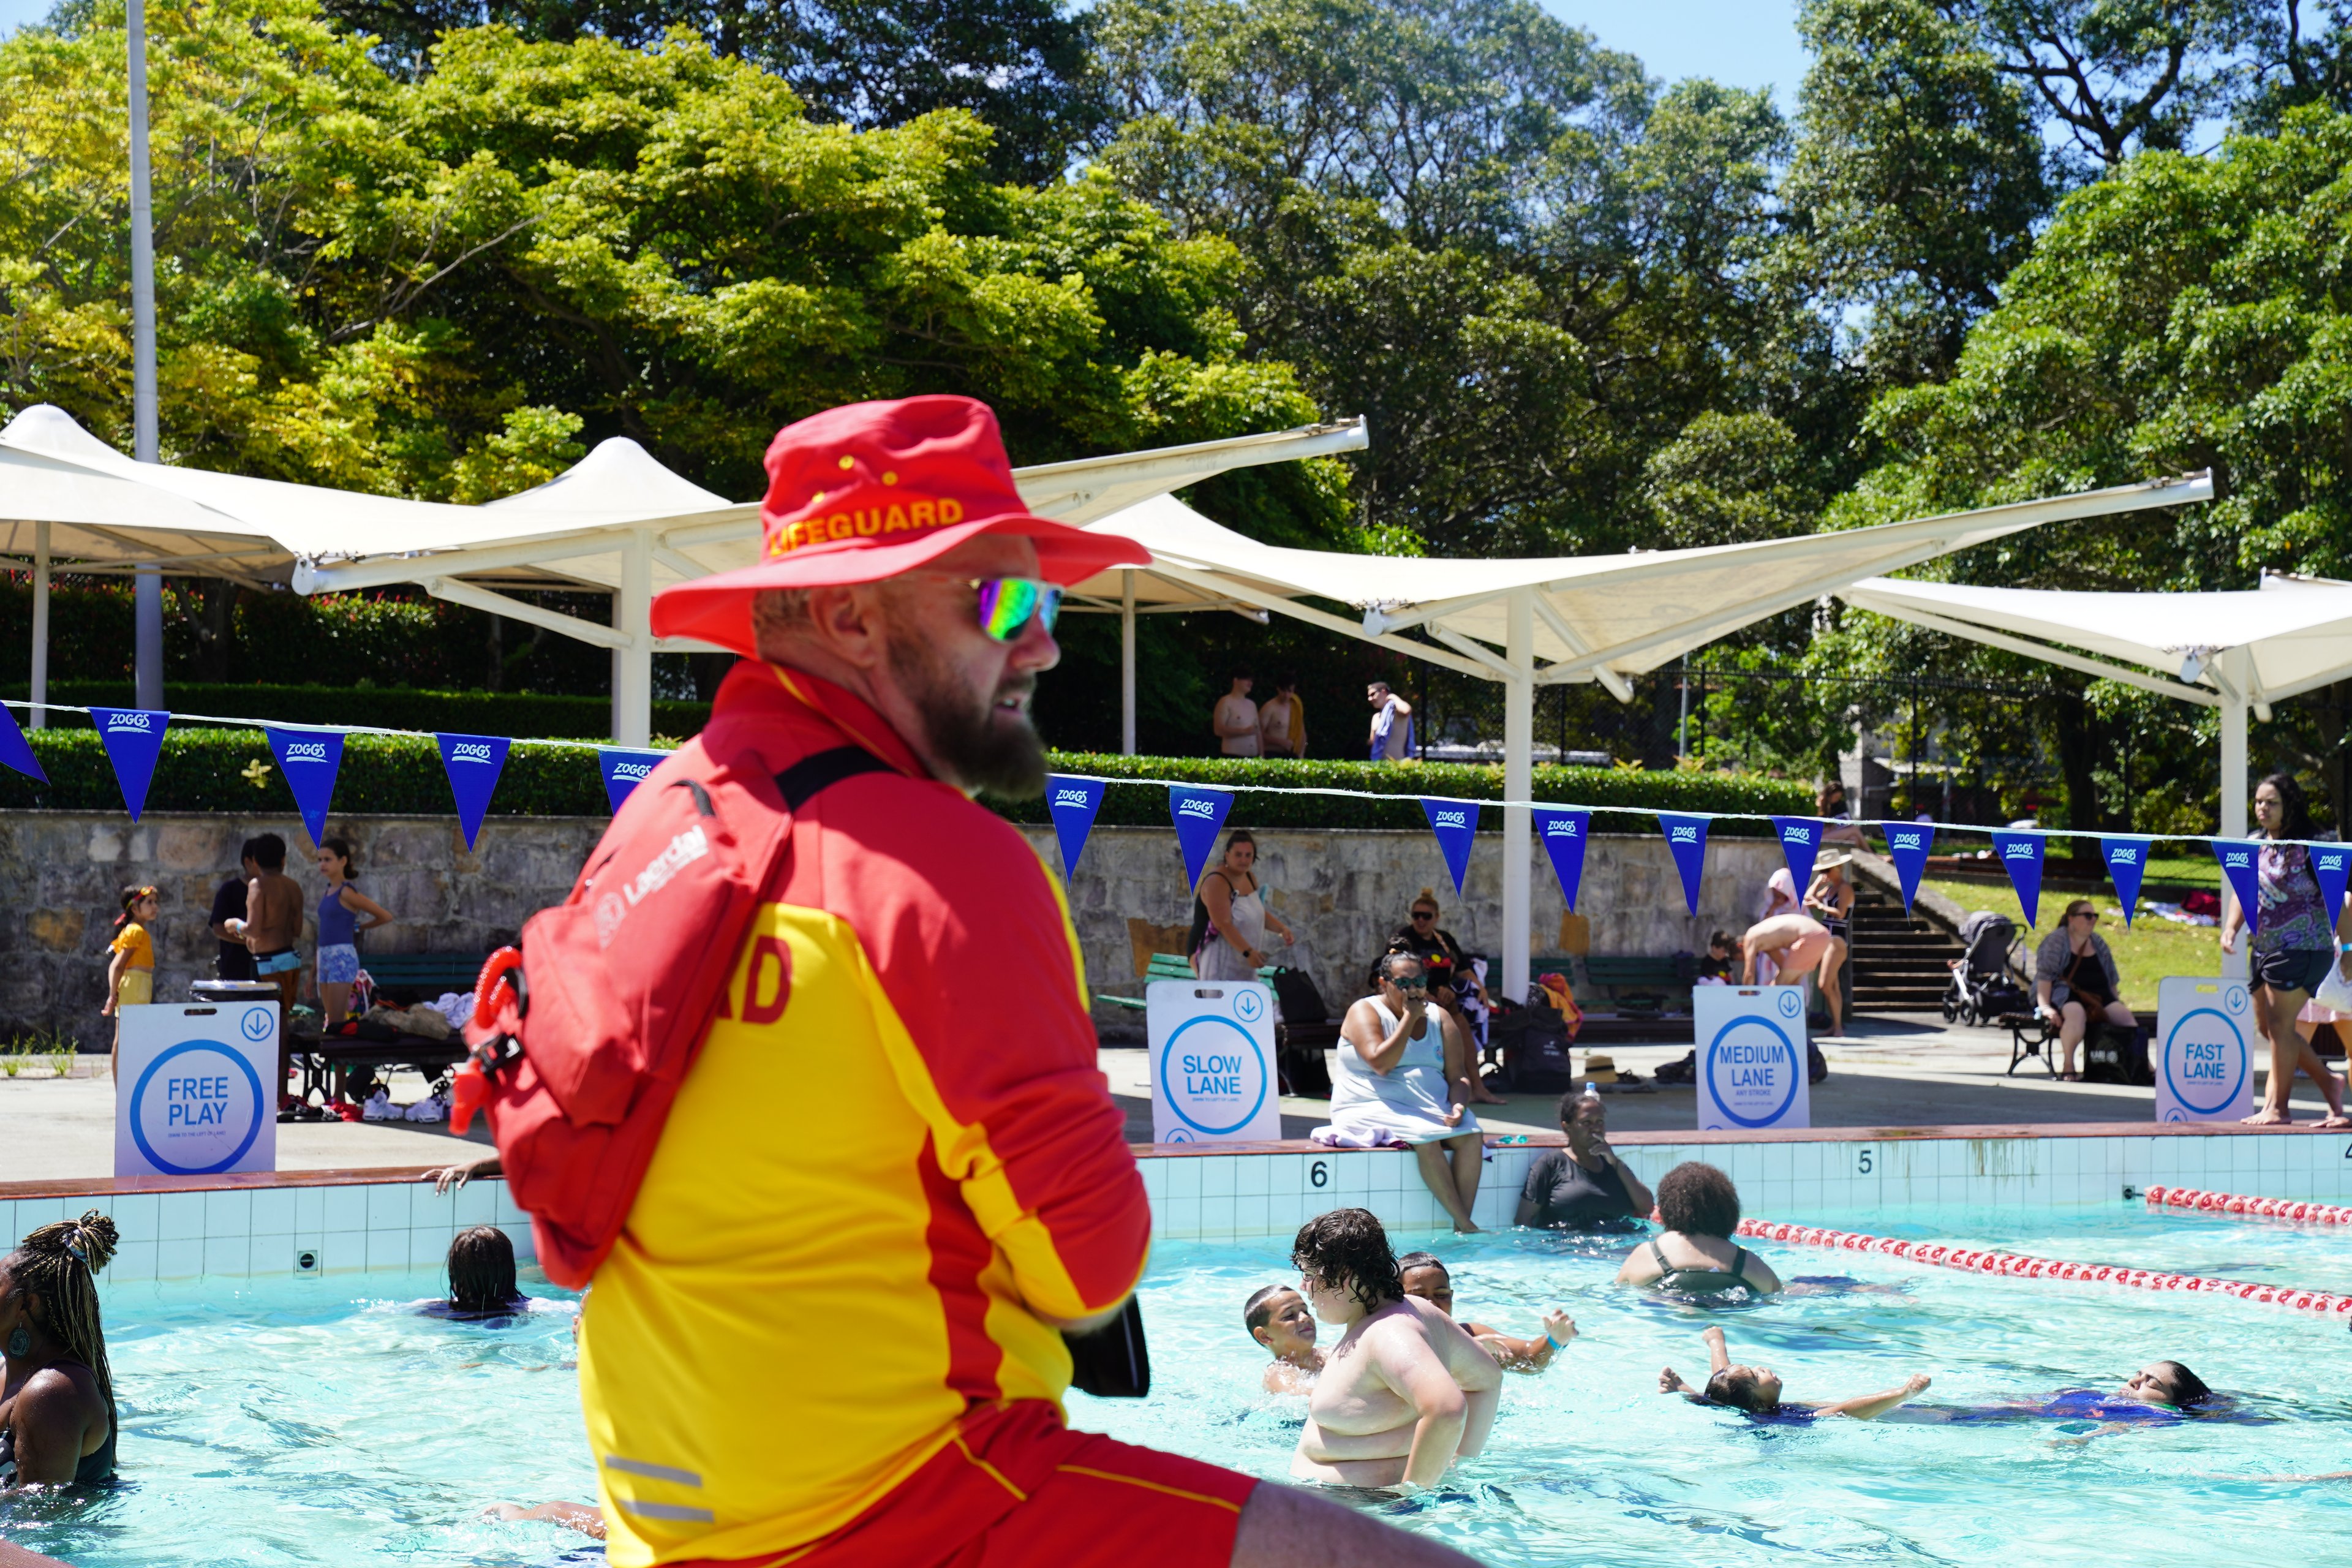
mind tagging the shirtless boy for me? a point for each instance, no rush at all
(1404, 1390)
(1756, 1390)
(1428, 1278)
(1278, 1317)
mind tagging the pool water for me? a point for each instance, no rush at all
(326, 1423)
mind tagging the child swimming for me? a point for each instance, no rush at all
(1756, 1390)
(1278, 1318)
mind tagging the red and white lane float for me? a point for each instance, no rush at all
(2235, 1203)
(2016, 1266)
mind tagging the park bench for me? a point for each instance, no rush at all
(1638, 983)
(406, 977)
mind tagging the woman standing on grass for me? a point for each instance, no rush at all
(2293, 948)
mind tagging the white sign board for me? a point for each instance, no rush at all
(2203, 1057)
(1213, 1073)
(1751, 1056)
(197, 1091)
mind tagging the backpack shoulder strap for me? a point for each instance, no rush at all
(822, 770)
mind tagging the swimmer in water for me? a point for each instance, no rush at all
(585, 1518)
(1278, 1318)
(1427, 1278)
(1756, 1390)
(1404, 1391)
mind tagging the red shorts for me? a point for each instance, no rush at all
(1016, 1488)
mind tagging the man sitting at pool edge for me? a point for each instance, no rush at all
(1427, 1276)
(1405, 1390)
(1278, 1318)
(1756, 1390)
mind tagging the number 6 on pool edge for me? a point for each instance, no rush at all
(1319, 1175)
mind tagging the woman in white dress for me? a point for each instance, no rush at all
(1231, 916)
(1391, 1086)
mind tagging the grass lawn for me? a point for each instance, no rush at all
(2150, 950)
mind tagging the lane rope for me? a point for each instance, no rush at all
(2235, 1203)
(2018, 1266)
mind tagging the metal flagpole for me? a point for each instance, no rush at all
(148, 601)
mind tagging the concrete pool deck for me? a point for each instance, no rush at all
(1889, 1072)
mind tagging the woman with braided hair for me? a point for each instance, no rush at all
(56, 1394)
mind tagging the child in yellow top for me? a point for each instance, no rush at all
(130, 976)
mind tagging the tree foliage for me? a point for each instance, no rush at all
(444, 287)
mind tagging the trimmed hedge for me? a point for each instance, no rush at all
(1143, 805)
(202, 768)
(512, 715)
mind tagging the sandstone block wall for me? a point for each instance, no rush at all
(1343, 892)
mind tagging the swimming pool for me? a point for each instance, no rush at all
(322, 1422)
(326, 1423)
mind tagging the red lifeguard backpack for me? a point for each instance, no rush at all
(581, 1039)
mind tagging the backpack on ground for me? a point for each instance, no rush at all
(582, 1038)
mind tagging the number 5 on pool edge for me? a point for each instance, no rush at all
(1861, 1161)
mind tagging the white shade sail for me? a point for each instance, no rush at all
(2289, 636)
(1596, 617)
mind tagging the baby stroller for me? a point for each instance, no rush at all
(1985, 983)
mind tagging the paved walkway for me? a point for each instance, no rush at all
(53, 1129)
(1890, 1072)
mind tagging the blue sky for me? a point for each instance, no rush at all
(1741, 43)
(1746, 43)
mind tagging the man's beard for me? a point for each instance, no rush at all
(962, 736)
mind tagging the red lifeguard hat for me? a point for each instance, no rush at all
(869, 490)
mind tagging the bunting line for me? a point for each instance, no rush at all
(1391, 797)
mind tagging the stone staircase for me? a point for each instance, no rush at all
(1900, 962)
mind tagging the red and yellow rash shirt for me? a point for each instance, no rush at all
(894, 1151)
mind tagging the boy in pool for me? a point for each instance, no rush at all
(1278, 1318)
(1427, 1278)
(1756, 1390)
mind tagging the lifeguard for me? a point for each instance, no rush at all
(896, 1120)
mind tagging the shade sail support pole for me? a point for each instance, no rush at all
(146, 441)
(1518, 783)
(1127, 663)
(40, 625)
(633, 659)
(2233, 783)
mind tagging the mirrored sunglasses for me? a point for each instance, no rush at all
(1007, 604)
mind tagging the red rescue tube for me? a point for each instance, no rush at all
(1970, 1261)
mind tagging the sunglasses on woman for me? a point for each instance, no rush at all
(1008, 603)
(1411, 985)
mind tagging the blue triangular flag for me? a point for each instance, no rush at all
(1563, 831)
(1455, 823)
(623, 770)
(16, 752)
(2329, 862)
(2127, 861)
(1906, 845)
(2242, 863)
(473, 763)
(134, 739)
(1800, 841)
(1073, 801)
(2020, 856)
(1687, 837)
(310, 760)
(1198, 814)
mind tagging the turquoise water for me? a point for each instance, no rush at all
(323, 1422)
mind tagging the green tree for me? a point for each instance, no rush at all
(1526, 264)
(1917, 179)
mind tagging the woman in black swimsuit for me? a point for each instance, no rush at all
(1694, 1255)
(56, 1394)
